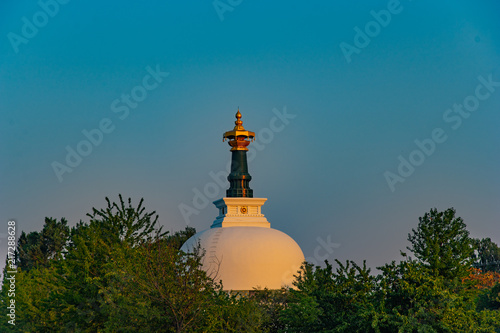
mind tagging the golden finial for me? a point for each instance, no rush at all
(239, 138)
(238, 122)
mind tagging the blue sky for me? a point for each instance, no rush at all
(335, 125)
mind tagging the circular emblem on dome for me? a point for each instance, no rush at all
(244, 210)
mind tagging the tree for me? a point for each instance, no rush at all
(37, 248)
(89, 263)
(333, 301)
(416, 300)
(490, 299)
(441, 242)
(157, 288)
(271, 304)
(180, 237)
(481, 280)
(166, 289)
(425, 294)
(64, 293)
(38, 255)
(487, 255)
(29, 252)
(488, 285)
(125, 223)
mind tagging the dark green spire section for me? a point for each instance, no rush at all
(239, 178)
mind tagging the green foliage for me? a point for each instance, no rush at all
(417, 300)
(180, 237)
(487, 255)
(38, 256)
(37, 248)
(302, 314)
(490, 299)
(155, 287)
(120, 273)
(120, 223)
(91, 252)
(423, 295)
(333, 301)
(271, 303)
(170, 283)
(231, 313)
(441, 242)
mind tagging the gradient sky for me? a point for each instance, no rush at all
(350, 118)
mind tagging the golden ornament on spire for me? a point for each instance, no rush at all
(238, 122)
(239, 138)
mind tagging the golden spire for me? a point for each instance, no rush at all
(239, 138)
(238, 122)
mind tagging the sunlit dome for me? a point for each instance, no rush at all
(241, 248)
(244, 257)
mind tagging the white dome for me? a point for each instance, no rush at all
(244, 257)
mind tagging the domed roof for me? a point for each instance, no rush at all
(245, 257)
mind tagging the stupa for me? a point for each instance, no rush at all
(241, 248)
